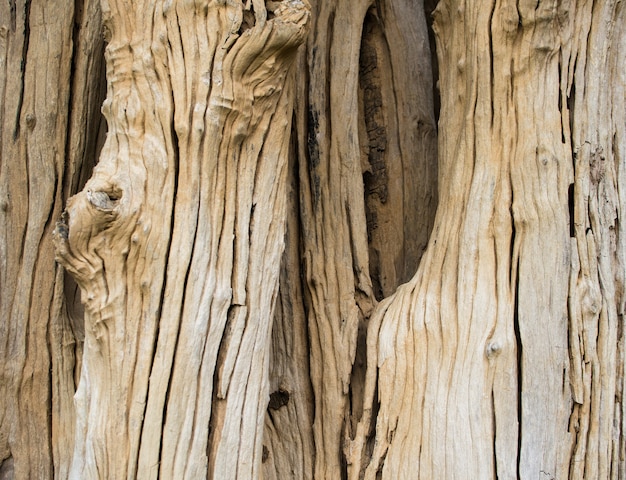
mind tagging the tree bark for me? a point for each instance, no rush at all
(175, 240)
(50, 92)
(366, 149)
(450, 299)
(483, 364)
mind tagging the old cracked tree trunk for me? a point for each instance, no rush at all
(503, 356)
(450, 299)
(176, 239)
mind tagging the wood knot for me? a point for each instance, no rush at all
(31, 121)
(493, 349)
(105, 201)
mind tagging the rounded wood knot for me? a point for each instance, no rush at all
(104, 201)
(493, 349)
(31, 121)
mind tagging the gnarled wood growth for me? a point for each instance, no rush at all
(516, 311)
(176, 239)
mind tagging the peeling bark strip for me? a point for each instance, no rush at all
(176, 239)
(508, 319)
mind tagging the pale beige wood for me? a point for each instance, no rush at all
(176, 239)
(288, 448)
(489, 330)
(597, 298)
(502, 356)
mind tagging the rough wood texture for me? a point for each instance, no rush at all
(596, 50)
(50, 92)
(366, 157)
(502, 356)
(508, 316)
(288, 447)
(176, 239)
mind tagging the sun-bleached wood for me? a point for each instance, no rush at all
(175, 241)
(503, 356)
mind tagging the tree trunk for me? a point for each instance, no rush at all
(503, 356)
(51, 87)
(367, 174)
(450, 310)
(178, 306)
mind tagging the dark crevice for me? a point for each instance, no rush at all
(168, 252)
(313, 152)
(518, 339)
(570, 204)
(570, 107)
(560, 104)
(217, 404)
(495, 434)
(328, 74)
(13, 15)
(7, 468)
(429, 8)
(357, 380)
(512, 246)
(381, 462)
(227, 343)
(371, 437)
(374, 164)
(313, 127)
(491, 67)
(278, 399)
(265, 454)
(20, 99)
(247, 21)
(300, 245)
(20, 253)
(78, 16)
(175, 349)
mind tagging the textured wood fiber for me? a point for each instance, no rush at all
(366, 149)
(50, 92)
(503, 356)
(175, 240)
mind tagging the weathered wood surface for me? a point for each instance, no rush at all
(176, 239)
(50, 93)
(501, 356)
(366, 159)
